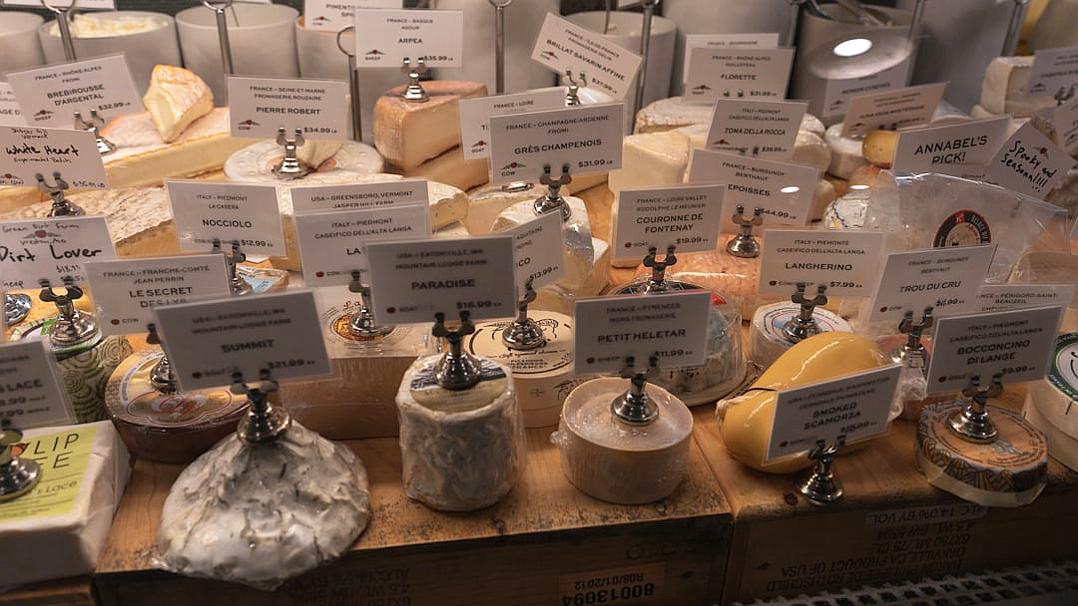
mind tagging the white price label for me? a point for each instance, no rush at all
(846, 262)
(1053, 69)
(945, 279)
(259, 106)
(564, 46)
(730, 73)
(50, 96)
(1029, 163)
(385, 38)
(230, 212)
(29, 152)
(686, 217)
(892, 109)
(359, 196)
(955, 149)
(10, 114)
(335, 15)
(51, 249)
(1001, 297)
(838, 93)
(738, 41)
(1065, 120)
(475, 115)
(766, 129)
(538, 246)
(30, 391)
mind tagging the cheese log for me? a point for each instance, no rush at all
(846, 154)
(879, 147)
(746, 420)
(668, 114)
(579, 252)
(766, 339)
(651, 159)
(408, 134)
(1003, 88)
(314, 152)
(489, 201)
(451, 168)
(810, 150)
(66, 538)
(1052, 404)
(175, 98)
(254, 163)
(822, 198)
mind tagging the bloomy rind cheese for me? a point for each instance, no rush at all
(671, 113)
(488, 202)
(254, 163)
(846, 154)
(175, 98)
(1003, 90)
(1052, 403)
(408, 134)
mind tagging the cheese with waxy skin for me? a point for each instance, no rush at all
(408, 134)
(1003, 88)
(175, 98)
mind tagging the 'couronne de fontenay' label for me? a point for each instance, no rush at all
(63, 458)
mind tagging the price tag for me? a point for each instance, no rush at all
(610, 329)
(783, 190)
(126, 290)
(1002, 297)
(1017, 343)
(738, 41)
(331, 245)
(685, 216)
(837, 93)
(10, 114)
(230, 212)
(385, 38)
(1029, 163)
(335, 15)
(50, 96)
(30, 392)
(846, 262)
(1053, 69)
(538, 246)
(892, 109)
(854, 407)
(109, 5)
(475, 115)
(50, 249)
(766, 129)
(208, 341)
(259, 106)
(412, 281)
(730, 73)
(588, 138)
(946, 279)
(955, 149)
(1065, 120)
(562, 45)
(29, 152)
(359, 196)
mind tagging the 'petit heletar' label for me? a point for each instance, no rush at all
(605, 65)
(30, 392)
(51, 249)
(1029, 163)
(766, 129)
(259, 106)
(946, 279)
(385, 38)
(686, 217)
(50, 96)
(229, 212)
(32, 151)
(731, 73)
(846, 262)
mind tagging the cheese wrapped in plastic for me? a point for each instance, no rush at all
(1051, 268)
(578, 247)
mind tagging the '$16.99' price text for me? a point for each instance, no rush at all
(475, 304)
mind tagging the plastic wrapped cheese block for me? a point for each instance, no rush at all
(557, 298)
(848, 211)
(846, 152)
(652, 159)
(1052, 403)
(766, 339)
(618, 462)
(460, 450)
(913, 385)
(746, 419)
(1003, 90)
(61, 525)
(1050, 268)
(579, 252)
(254, 163)
(1066, 194)
(409, 133)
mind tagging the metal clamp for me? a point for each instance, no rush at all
(362, 322)
(792, 19)
(290, 167)
(94, 125)
(414, 91)
(657, 282)
(822, 488)
(914, 352)
(232, 261)
(524, 333)
(222, 33)
(17, 476)
(62, 23)
(972, 422)
(457, 369)
(572, 91)
(552, 200)
(72, 326)
(634, 407)
(803, 325)
(61, 206)
(16, 307)
(263, 422)
(355, 107)
(499, 43)
(161, 377)
(1014, 28)
(744, 244)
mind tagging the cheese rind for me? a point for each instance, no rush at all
(175, 98)
(846, 154)
(879, 147)
(810, 150)
(451, 168)
(671, 113)
(408, 134)
(254, 163)
(1003, 88)
(652, 159)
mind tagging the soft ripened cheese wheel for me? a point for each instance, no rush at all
(1003, 88)
(1052, 404)
(451, 168)
(175, 98)
(671, 113)
(746, 419)
(62, 525)
(846, 154)
(652, 159)
(254, 163)
(766, 339)
(579, 252)
(314, 152)
(617, 462)
(821, 199)
(408, 133)
(879, 147)
(810, 150)
(460, 450)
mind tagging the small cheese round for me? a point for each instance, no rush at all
(766, 339)
(879, 147)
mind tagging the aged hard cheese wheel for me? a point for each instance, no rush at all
(746, 419)
(1052, 403)
(254, 163)
(408, 133)
(1003, 90)
(579, 251)
(460, 450)
(61, 526)
(617, 462)
(846, 154)
(1008, 472)
(651, 159)
(766, 340)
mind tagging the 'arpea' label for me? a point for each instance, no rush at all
(259, 106)
(729, 73)
(686, 217)
(229, 212)
(846, 262)
(946, 279)
(50, 249)
(50, 96)
(1029, 163)
(30, 393)
(766, 129)
(955, 149)
(385, 38)
(564, 46)
(29, 152)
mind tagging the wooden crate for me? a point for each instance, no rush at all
(74, 591)
(546, 543)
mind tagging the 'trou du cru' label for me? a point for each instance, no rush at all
(946, 279)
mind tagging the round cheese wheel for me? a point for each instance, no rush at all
(846, 154)
(1052, 404)
(255, 162)
(766, 339)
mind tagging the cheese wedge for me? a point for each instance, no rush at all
(408, 134)
(675, 112)
(810, 150)
(314, 153)
(451, 168)
(879, 147)
(652, 159)
(489, 202)
(175, 98)
(1003, 90)
(846, 154)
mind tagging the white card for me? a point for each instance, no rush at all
(1001, 297)
(564, 46)
(1053, 69)
(335, 15)
(359, 196)
(1065, 120)
(475, 115)
(846, 262)
(29, 152)
(385, 38)
(837, 93)
(783, 190)
(892, 109)
(50, 96)
(766, 129)
(257, 107)
(954, 149)
(854, 407)
(946, 279)
(1029, 163)
(685, 216)
(80, 4)
(208, 341)
(669, 326)
(50, 249)
(125, 291)
(247, 213)
(538, 247)
(769, 40)
(30, 391)
(412, 281)
(731, 73)
(10, 114)
(588, 138)
(1017, 343)
(331, 245)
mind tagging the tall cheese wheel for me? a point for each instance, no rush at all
(767, 341)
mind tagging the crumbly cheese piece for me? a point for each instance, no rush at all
(810, 150)
(1003, 89)
(668, 114)
(652, 159)
(175, 98)
(846, 154)
(822, 198)
(879, 147)
(453, 169)
(813, 125)
(255, 163)
(579, 252)
(314, 152)
(408, 134)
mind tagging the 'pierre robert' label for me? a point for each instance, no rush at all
(259, 106)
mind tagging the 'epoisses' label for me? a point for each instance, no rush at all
(257, 107)
(1063, 372)
(63, 457)
(51, 249)
(955, 149)
(766, 129)
(385, 38)
(50, 96)
(730, 73)
(32, 151)
(564, 46)
(1029, 163)
(246, 213)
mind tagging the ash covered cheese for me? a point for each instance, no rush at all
(579, 251)
(1003, 88)
(846, 153)
(652, 159)
(408, 133)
